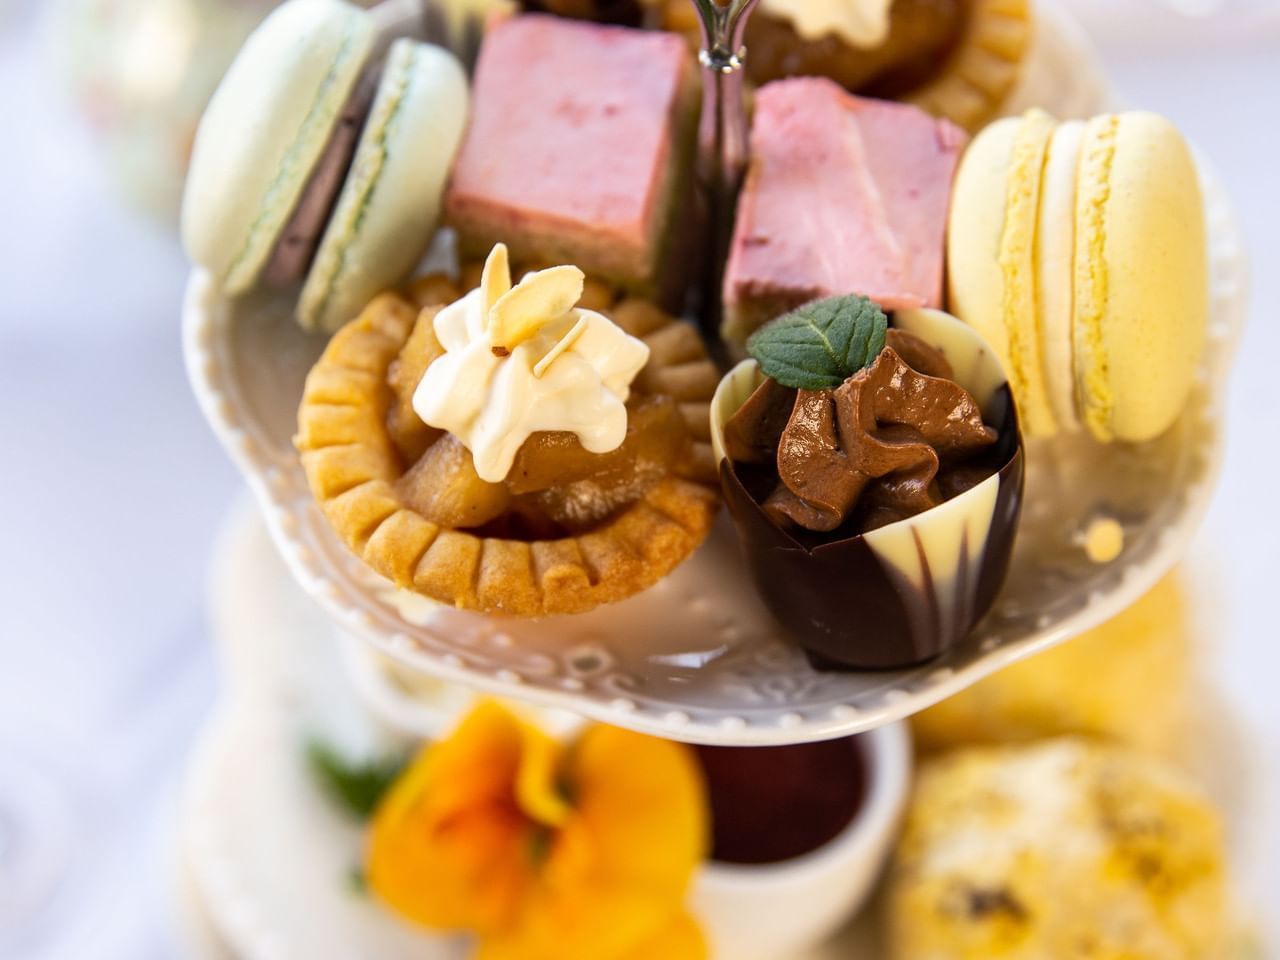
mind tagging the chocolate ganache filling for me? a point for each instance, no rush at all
(897, 438)
(296, 247)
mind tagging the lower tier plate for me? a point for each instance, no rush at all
(265, 858)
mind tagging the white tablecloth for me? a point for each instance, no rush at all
(112, 488)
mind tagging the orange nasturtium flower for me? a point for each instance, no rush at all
(544, 851)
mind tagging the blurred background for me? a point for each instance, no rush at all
(114, 489)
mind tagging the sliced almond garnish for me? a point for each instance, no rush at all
(531, 304)
(495, 280)
(563, 344)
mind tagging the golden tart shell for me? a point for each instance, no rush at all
(352, 466)
(983, 66)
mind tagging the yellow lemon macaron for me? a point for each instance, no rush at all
(1078, 251)
(1141, 276)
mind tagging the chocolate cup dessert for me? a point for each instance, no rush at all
(902, 593)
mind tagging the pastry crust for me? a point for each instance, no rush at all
(968, 86)
(352, 464)
(983, 66)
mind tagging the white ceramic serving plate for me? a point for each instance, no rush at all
(697, 657)
(267, 855)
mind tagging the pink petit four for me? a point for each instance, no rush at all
(579, 141)
(843, 194)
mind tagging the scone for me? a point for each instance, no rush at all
(1126, 680)
(1061, 849)
(515, 450)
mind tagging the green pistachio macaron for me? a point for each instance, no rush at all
(320, 163)
(387, 210)
(265, 129)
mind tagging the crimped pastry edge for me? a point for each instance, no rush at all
(983, 68)
(351, 468)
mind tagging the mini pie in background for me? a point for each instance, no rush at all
(958, 59)
(562, 530)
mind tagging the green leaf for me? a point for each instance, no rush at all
(356, 785)
(357, 881)
(822, 344)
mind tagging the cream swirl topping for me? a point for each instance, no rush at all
(522, 359)
(860, 23)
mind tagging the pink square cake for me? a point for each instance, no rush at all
(581, 136)
(843, 195)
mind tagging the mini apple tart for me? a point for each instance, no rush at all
(534, 449)
(875, 477)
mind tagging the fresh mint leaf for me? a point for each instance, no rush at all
(822, 344)
(356, 785)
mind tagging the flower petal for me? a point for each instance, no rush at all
(643, 802)
(538, 789)
(599, 928)
(680, 939)
(547, 854)
(448, 846)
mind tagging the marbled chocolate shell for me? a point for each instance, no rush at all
(903, 593)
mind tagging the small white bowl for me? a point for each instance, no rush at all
(779, 910)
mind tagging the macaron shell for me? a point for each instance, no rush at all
(389, 205)
(975, 227)
(263, 131)
(1017, 265)
(1141, 276)
(1055, 262)
(990, 253)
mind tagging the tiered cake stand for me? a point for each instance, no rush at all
(698, 658)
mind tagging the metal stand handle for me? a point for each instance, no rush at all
(722, 134)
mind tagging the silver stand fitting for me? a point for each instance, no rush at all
(722, 134)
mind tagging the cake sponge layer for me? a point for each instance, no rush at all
(578, 137)
(843, 195)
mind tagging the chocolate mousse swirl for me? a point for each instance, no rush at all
(888, 443)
